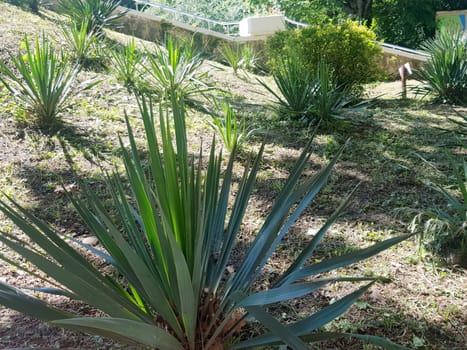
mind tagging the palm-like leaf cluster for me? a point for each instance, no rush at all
(171, 243)
(41, 81)
(94, 14)
(127, 66)
(445, 73)
(309, 95)
(444, 229)
(232, 131)
(172, 71)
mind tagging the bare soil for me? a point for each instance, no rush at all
(422, 307)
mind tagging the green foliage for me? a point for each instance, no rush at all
(349, 49)
(307, 95)
(126, 65)
(221, 10)
(41, 82)
(294, 82)
(444, 229)
(173, 72)
(405, 22)
(94, 14)
(170, 245)
(32, 5)
(82, 45)
(445, 73)
(313, 12)
(328, 99)
(239, 57)
(228, 127)
(231, 55)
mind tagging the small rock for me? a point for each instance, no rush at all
(90, 240)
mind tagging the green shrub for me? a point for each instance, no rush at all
(171, 246)
(94, 14)
(445, 73)
(348, 48)
(41, 82)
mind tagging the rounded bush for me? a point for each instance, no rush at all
(348, 48)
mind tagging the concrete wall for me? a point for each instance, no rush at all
(155, 28)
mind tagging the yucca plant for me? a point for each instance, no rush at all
(94, 14)
(81, 44)
(295, 86)
(232, 131)
(126, 65)
(445, 73)
(173, 73)
(328, 99)
(231, 55)
(41, 81)
(171, 242)
(443, 230)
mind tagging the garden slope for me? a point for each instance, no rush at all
(422, 307)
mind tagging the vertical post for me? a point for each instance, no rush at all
(403, 75)
(404, 71)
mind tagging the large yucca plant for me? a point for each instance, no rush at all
(445, 73)
(171, 243)
(41, 81)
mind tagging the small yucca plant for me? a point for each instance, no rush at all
(306, 95)
(41, 81)
(295, 86)
(445, 73)
(443, 230)
(231, 55)
(81, 44)
(127, 66)
(232, 131)
(173, 72)
(328, 99)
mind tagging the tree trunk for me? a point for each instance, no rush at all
(360, 8)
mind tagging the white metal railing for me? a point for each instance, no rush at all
(405, 51)
(295, 23)
(229, 27)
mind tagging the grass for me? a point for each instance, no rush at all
(422, 306)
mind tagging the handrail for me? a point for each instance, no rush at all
(296, 23)
(209, 21)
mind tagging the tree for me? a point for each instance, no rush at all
(360, 8)
(405, 22)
